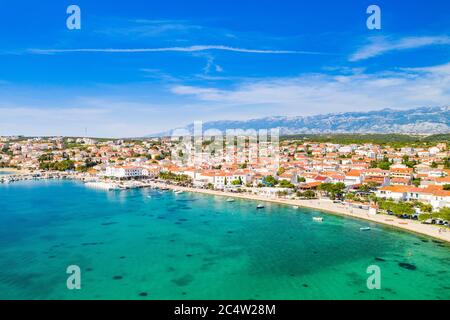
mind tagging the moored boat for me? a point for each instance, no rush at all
(364, 228)
(260, 206)
(319, 219)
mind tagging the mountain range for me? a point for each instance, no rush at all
(424, 120)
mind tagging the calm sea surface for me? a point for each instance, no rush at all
(145, 244)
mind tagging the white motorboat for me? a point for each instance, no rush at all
(260, 206)
(230, 200)
(364, 228)
(318, 219)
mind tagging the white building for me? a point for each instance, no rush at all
(436, 197)
(126, 172)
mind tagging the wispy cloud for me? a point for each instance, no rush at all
(381, 45)
(102, 116)
(118, 111)
(149, 28)
(195, 48)
(323, 93)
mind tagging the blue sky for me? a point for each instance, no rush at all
(140, 67)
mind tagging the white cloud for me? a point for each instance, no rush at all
(129, 111)
(321, 93)
(211, 64)
(103, 117)
(195, 48)
(382, 45)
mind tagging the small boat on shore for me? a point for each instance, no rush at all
(318, 219)
(364, 228)
(260, 206)
(230, 200)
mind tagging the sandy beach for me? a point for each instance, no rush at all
(13, 170)
(334, 208)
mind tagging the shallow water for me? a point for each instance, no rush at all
(145, 244)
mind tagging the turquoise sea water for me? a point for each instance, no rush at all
(145, 244)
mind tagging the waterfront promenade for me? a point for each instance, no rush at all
(325, 205)
(333, 208)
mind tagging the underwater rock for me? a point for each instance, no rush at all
(108, 223)
(407, 266)
(91, 243)
(183, 281)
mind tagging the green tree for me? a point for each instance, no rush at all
(270, 181)
(416, 182)
(285, 184)
(281, 170)
(236, 182)
(333, 190)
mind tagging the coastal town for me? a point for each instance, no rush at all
(391, 184)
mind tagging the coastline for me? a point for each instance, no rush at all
(323, 205)
(13, 170)
(329, 207)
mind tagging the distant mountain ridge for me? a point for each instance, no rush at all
(424, 120)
